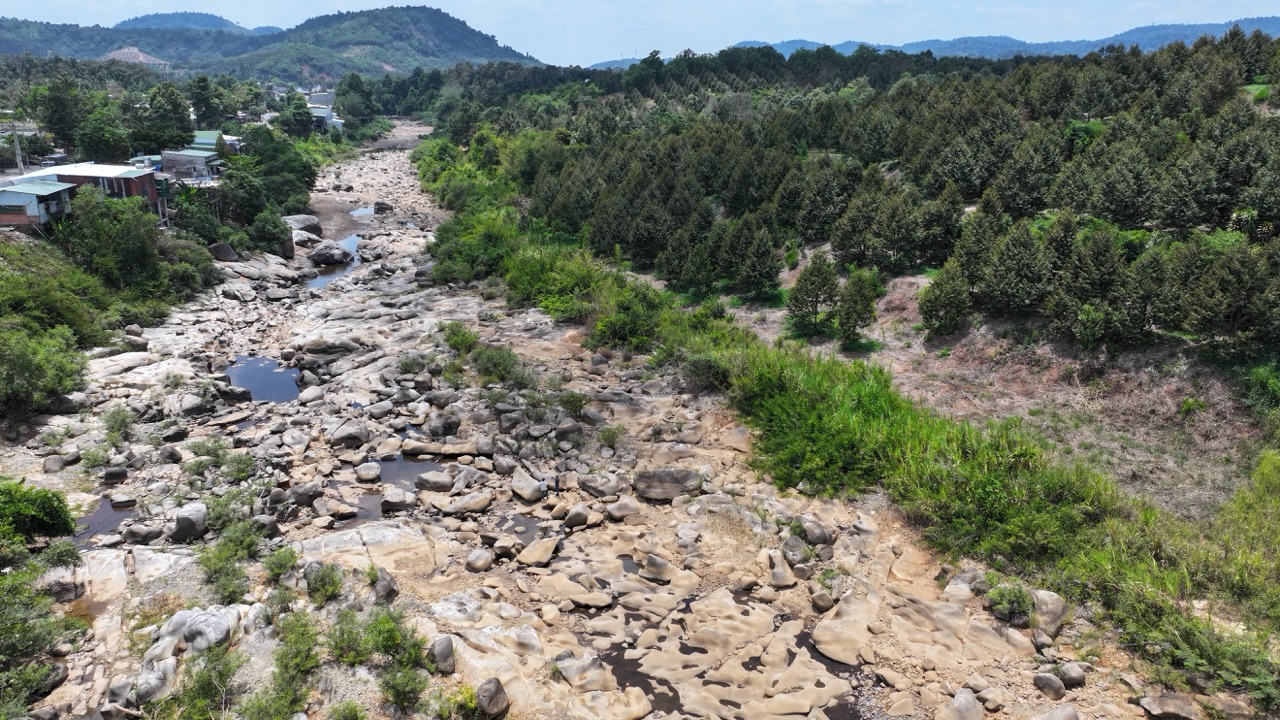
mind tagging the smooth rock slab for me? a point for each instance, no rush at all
(665, 484)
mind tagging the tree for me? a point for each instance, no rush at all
(112, 239)
(166, 124)
(856, 306)
(1017, 274)
(758, 273)
(36, 368)
(268, 231)
(61, 110)
(295, 118)
(102, 137)
(205, 102)
(816, 290)
(945, 301)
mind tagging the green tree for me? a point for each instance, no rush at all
(815, 291)
(61, 110)
(114, 240)
(1017, 275)
(856, 306)
(945, 302)
(166, 124)
(268, 231)
(102, 137)
(758, 273)
(205, 102)
(295, 118)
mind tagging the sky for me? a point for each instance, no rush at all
(583, 32)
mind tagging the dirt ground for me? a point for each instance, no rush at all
(1120, 413)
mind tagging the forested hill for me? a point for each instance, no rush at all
(1150, 37)
(191, 21)
(323, 48)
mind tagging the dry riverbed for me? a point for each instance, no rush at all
(659, 578)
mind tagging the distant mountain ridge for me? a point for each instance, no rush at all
(191, 21)
(1000, 47)
(396, 39)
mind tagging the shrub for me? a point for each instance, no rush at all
(410, 364)
(574, 402)
(221, 561)
(458, 337)
(499, 363)
(944, 302)
(1008, 601)
(1191, 406)
(208, 689)
(324, 584)
(402, 688)
(279, 562)
(346, 711)
(704, 373)
(32, 512)
(36, 368)
(347, 641)
(295, 660)
(609, 436)
(457, 704)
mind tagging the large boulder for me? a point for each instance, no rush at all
(223, 252)
(1173, 706)
(190, 522)
(330, 253)
(491, 700)
(1051, 611)
(305, 223)
(665, 484)
(441, 653)
(964, 706)
(207, 628)
(351, 433)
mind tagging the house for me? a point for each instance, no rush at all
(324, 117)
(117, 181)
(34, 202)
(192, 164)
(322, 99)
(209, 139)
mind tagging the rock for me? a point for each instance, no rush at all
(567, 428)
(266, 525)
(1173, 706)
(121, 501)
(1041, 639)
(814, 532)
(475, 502)
(822, 601)
(305, 494)
(539, 552)
(377, 411)
(330, 253)
(302, 238)
(780, 575)
(794, 549)
(381, 207)
(205, 628)
(1072, 675)
(667, 483)
(491, 700)
(625, 507)
(141, 534)
(114, 475)
(351, 433)
(1062, 712)
(154, 682)
(190, 522)
(285, 247)
(441, 653)
(434, 481)
(396, 500)
(479, 560)
(964, 706)
(1050, 685)
(53, 464)
(223, 252)
(1050, 611)
(368, 472)
(526, 488)
(578, 516)
(385, 588)
(305, 223)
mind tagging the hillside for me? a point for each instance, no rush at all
(323, 48)
(191, 21)
(998, 47)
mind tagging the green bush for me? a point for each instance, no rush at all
(498, 363)
(458, 337)
(609, 436)
(346, 711)
(36, 368)
(402, 688)
(222, 561)
(296, 660)
(1008, 601)
(280, 561)
(31, 512)
(324, 584)
(347, 641)
(573, 402)
(208, 688)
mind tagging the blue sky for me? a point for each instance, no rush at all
(568, 32)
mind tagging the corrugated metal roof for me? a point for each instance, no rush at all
(88, 169)
(192, 152)
(39, 188)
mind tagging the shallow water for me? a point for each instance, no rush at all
(264, 378)
(329, 273)
(102, 521)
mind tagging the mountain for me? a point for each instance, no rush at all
(321, 49)
(997, 47)
(190, 21)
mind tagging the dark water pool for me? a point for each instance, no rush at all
(102, 521)
(264, 378)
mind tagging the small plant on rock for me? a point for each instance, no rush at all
(347, 641)
(1010, 601)
(279, 562)
(609, 436)
(574, 402)
(458, 337)
(402, 687)
(347, 711)
(324, 584)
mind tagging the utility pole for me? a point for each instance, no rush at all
(17, 149)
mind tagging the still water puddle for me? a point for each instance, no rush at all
(264, 378)
(329, 273)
